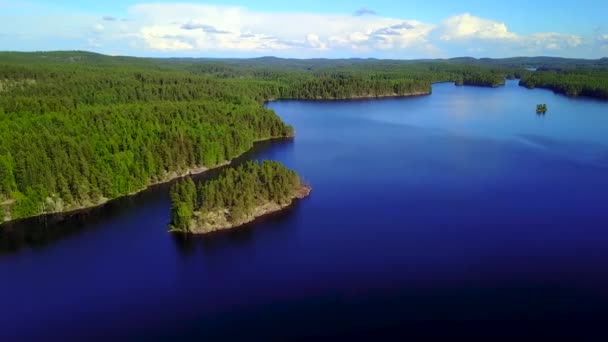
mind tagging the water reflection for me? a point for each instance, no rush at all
(417, 217)
(40, 232)
(214, 242)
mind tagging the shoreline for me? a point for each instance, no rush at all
(384, 96)
(170, 176)
(173, 175)
(563, 93)
(268, 208)
(357, 97)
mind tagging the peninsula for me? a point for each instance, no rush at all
(238, 196)
(79, 129)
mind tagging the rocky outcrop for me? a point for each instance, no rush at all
(220, 219)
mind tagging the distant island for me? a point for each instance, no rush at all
(238, 196)
(541, 108)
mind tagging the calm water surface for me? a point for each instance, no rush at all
(462, 212)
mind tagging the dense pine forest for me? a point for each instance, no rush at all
(235, 194)
(76, 134)
(78, 128)
(571, 82)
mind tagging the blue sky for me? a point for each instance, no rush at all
(382, 29)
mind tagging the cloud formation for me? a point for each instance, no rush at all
(602, 41)
(214, 30)
(98, 28)
(467, 27)
(225, 28)
(480, 35)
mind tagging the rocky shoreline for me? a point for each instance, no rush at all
(219, 220)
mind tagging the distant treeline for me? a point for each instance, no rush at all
(571, 82)
(481, 80)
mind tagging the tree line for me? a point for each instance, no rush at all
(237, 191)
(571, 82)
(78, 128)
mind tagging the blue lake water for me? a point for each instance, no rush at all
(458, 213)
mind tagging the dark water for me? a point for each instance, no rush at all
(459, 213)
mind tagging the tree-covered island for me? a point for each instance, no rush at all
(238, 196)
(541, 108)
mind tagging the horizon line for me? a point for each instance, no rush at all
(302, 59)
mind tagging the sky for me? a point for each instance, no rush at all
(309, 29)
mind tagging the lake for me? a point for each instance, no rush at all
(459, 213)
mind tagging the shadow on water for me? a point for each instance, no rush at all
(209, 243)
(39, 232)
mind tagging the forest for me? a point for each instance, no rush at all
(571, 82)
(237, 191)
(78, 129)
(73, 136)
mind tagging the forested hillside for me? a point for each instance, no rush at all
(571, 82)
(75, 135)
(78, 128)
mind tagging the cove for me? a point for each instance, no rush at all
(462, 212)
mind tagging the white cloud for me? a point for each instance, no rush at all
(315, 42)
(166, 38)
(98, 28)
(227, 28)
(212, 30)
(552, 41)
(466, 26)
(602, 40)
(478, 34)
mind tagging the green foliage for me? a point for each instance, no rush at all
(571, 82)
(82, 133)
(238, 190)
(541, 108)
(29, 204)
(183, 201)
(483, 79)
(79, 127)
(7, 177)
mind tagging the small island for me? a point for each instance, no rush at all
(238, 196)
(541, 108)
